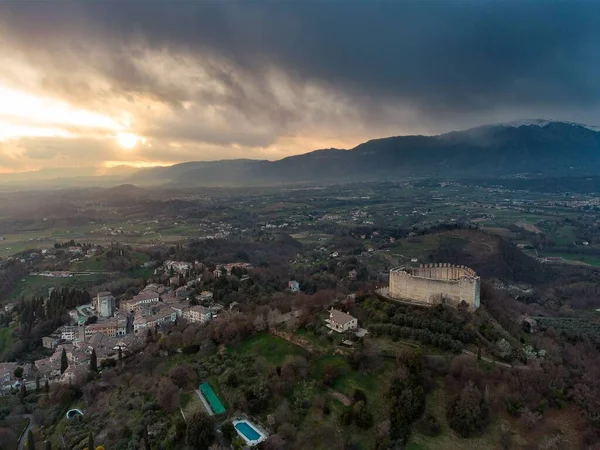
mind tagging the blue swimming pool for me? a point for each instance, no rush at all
(249, 433)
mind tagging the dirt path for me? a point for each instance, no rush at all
(341, 397)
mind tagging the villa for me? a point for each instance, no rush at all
(340, 321)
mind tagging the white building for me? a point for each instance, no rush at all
(293, 286)
(197, 314)
(340, 321)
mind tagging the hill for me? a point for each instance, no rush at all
(533, 147)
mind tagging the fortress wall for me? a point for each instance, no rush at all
(433, 283)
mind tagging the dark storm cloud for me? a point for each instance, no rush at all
(436, 58)
(433, 55)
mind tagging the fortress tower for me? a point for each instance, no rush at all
(432, 284)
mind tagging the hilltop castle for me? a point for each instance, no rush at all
(432, 284)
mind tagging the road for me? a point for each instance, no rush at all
(23, 439)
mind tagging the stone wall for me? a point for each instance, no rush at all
(432, 284)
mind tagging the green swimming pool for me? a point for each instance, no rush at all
(213, 400)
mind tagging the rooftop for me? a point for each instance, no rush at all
(340, 316)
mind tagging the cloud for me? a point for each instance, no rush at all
(231, 78)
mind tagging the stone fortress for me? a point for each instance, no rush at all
(432, 284)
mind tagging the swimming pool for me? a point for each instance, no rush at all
(248, 432)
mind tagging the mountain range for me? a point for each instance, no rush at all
(531, 147)
(535, 147)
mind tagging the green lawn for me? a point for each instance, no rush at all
(6, 339)
(272, 348)
(36, 285)
(588, 259)
(565, 236)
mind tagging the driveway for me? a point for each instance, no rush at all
(23, 439)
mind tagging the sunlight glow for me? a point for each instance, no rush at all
(18, 106)
(129, 140)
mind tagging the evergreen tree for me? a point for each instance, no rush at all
(30, 441)
(46, 386)
(90, 445)
(478, 353)
(48, 445)
(64, 362)
(120, 354)
(22, 393)
(94, 361)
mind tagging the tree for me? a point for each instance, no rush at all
(48, 445)
(90, 445)
(30, 441)
(468, 413)
(330, 374)
(94, 361)
(200, 431)
(18, 372)
(362, 416)
(46, 386)
(120, 354)
(228, 431)
(64, 362)
(22, 393)
(167, 395)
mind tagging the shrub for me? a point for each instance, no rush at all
(429, 425)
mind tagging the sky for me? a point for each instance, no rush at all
(100, 84)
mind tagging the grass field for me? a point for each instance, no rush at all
(36, 285)
(587, 259)
(6, 339)
(272, 348)
(565, 236)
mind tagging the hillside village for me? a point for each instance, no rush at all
(116, 328)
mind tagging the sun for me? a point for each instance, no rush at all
(128, 140)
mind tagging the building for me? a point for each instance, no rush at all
(294, 286)
(140, 299)
(112, 328)
(105, 304)
(433, 284)
(340, 321)
(205, 296)
(197, 314)
(177, 266)
(182, 293)
(50, 341)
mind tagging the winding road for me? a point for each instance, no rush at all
(23, 438)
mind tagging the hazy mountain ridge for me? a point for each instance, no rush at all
(544, 147)
(537, 147)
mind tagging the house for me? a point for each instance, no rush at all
(75, 250)
(294, 286)
(74, 374)
(10, 307)
(197, 314)
(140, 299)
(182, 293)
(179, 308)
(50, 341)
(205, 296)
(177, 266)
(7, 375)
(340, 321)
